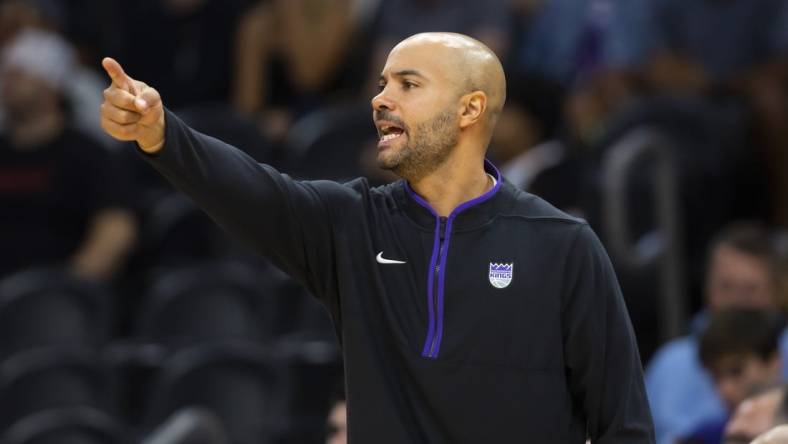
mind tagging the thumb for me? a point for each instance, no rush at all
(118, 76)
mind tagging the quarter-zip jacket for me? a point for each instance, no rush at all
(501, 323)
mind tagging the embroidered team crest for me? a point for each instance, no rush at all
(501, 274)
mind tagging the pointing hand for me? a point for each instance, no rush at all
(132, 110)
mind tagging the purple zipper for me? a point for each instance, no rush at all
(440, 249)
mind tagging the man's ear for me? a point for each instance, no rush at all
(473, 106)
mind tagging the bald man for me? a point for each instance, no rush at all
(468, 311)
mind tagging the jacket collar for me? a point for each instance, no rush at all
(468, 215)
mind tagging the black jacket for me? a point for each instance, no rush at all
(502, 323)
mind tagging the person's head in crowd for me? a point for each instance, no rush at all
(756, 415)
(740, 349)
(34, 67)
(742, 268)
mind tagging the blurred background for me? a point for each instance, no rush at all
(127, 316)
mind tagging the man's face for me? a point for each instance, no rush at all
(21, 92)
(416, 111)
(753, 417)
(737, 279)
(736, 376)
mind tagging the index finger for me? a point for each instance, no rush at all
(120, 98)
(118, 76)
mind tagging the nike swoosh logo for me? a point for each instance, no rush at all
(382, 260)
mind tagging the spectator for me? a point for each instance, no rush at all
(741, 272)
(57, 198)
(737, 48)
(756, 415)
(83, 91)
(591, 48)
(289, 53)
(740, 350)
(703, 44)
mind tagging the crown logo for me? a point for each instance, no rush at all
(501, 267)
(500, 275)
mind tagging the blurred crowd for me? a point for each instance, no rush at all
(664, 123)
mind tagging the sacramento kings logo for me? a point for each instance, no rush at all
(501, 274)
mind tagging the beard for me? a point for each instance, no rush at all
(428, 146)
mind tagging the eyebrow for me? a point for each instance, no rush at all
(406, 72)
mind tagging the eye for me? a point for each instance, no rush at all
(407, 84)
(381, 86)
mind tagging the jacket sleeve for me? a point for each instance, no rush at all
(603, 365)
(287, 221)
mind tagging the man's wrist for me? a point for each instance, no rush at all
(152, 149)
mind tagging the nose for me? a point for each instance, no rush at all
(382, 102)
(730, 392)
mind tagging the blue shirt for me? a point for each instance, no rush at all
(564, 34)
(681, 392)
(726, 37)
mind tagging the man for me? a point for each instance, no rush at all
(741, 272)
(756, 416)
(61, 200)
(740, 349)
(467, 311)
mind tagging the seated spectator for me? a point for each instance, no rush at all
(741, 272)
(83, 90)
(740, 349)
(289, 53)
(589, 47)
(756, 415)
(734, 48)
(60, 200)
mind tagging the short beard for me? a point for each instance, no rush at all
(429, 145)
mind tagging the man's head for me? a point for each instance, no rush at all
(740, 350)
(742, 269)
(756, 415)
(35, 66)
(440, 93)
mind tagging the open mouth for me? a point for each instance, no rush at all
(389, 131)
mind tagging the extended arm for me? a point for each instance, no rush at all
(286, 220)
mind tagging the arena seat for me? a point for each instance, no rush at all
(43, 307)
(53, 378)
(237, 381)
(209, 302)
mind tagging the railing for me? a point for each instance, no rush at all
(662, 247)
(189, 425)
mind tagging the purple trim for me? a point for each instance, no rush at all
(431, 274)
(430, 285)
(435, 327)
(447, 238)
